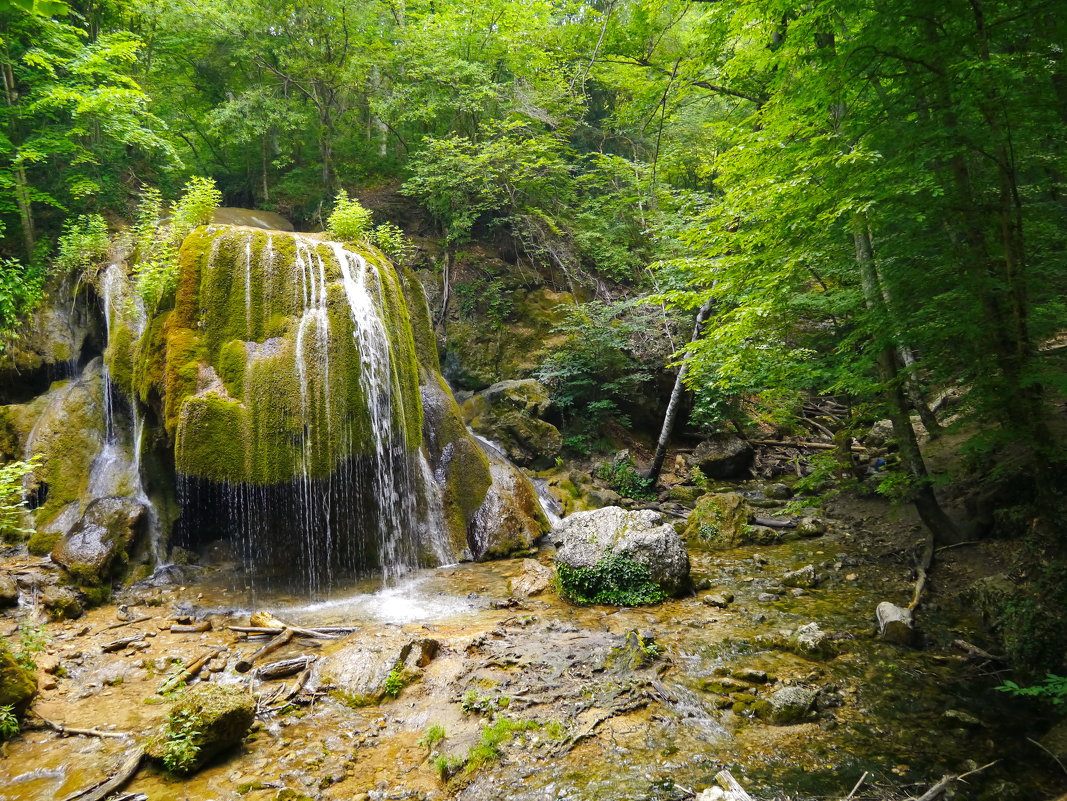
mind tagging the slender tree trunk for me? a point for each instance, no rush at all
(922, 494)
(675, 402)
(22, 186)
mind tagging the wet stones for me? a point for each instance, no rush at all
(786, 706)
(18, 685)
(367, 671)
(719, 600)
(60, 603)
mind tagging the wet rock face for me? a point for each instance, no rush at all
(786, 706)
(535, 579)
(510, 519)
(511, 414)
(97, 544)
(207, 720)
(586, 538)
(18, 686)
(723, 457)
(61, 603)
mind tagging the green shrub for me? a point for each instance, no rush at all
(9, 723)
(615, 580)
(622, 476)
(21, 289)
(395, 682)
(196, 206)
(348, 221)
(1052, 689)
(83, 244)
(492, 736)
(32, 640)
(180, 750)
(447, 766)
(391, 241)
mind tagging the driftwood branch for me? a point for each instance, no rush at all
(192, 628)
(734, 791)
(245, 665)
(819, 446)
(286, 667)
(118, 645)
(70, 730)
(189, 673)
(101, 790)
(942, 784)
(771, 522)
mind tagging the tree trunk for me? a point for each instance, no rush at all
(675, 402)
(922, 494)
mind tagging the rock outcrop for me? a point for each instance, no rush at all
(206, 721)
(723, 457)
(98, 544)
(512, 415)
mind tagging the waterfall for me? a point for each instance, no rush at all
(117, 468)
(328, 482)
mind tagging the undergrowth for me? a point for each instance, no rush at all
(615, 580)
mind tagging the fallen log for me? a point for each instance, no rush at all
(245, 665)
(118, 645)
(286, 667)
(189, 673)
(63, 731)
(323, 633)
(102, 789)
(191, 628)
(129, 622)
(819, 446)
(771, 522)
(895, 623)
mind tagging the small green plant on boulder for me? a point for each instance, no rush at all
(433, 737)
(622, 477)
(616, 580)
(475, 703)
(205, 721)
(493, 735)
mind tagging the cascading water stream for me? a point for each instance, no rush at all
(353, 494)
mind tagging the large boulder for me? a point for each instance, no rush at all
(98, 543)
(511, 415)
(723, 457)
(18, 685)
(207, 720)
(719, 520)
(9, 591)
(587, 538)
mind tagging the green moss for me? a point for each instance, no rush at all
(205, 721)
(718, 521)
(238, 317)
(421, 322)
(42, 542)
(18, 684)
(119, 356)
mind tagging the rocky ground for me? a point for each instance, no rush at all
(459, 684)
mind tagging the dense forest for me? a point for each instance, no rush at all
(755, 221)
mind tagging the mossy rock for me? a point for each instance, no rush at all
(61, 603)
(97, 546)
(510, 413)
(18, 685)
(206, 721)
(719, 521)
(787, 706)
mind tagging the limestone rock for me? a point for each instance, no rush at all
(360, 668)
(811, 641)
(510, 518)
(720, 520)
(719, 600)
(805, 578)
(535, 579)
(511, 414)
(210, 718)
(9, 591)
(724, 457)
(779, 492)
(18, 686)
(881, 432)
(587, 537)
(61, 603)
(810, 527)
(786, 706)
(98, 543)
